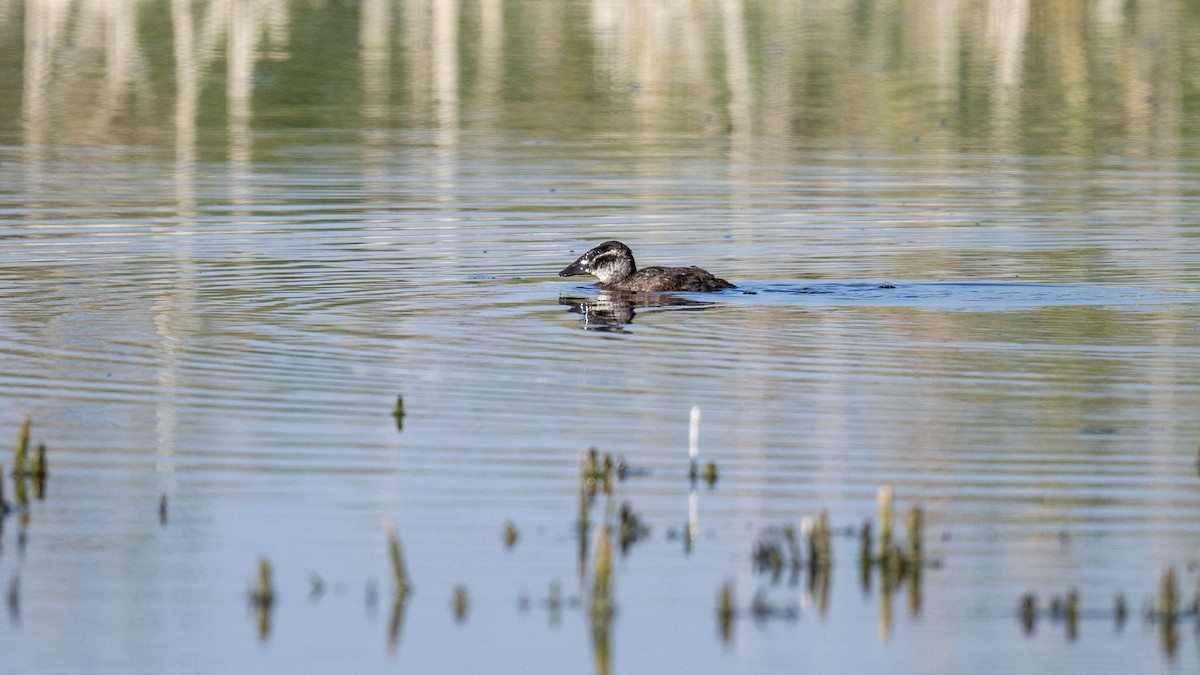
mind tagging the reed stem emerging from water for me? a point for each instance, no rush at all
(694, 443)
(1168, 596)
(885, 521)
(725, 611)
(399, 574)
(22, 451)
(263, 595)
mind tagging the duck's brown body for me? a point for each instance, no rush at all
(612, 263)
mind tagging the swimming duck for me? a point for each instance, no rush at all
(612, 263)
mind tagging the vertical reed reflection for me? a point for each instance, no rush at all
(44, 23)
(997, 74)
(187, 95)
(374, 31)
(1004, 39)
(374, 36)
(445, 81)
(491, 54)
(239, 75)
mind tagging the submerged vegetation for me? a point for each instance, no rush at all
(785, 556)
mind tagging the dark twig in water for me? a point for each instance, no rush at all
(398, 413)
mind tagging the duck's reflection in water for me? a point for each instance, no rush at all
(611, 311)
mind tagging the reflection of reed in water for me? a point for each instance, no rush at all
(949, 70)
(601, 605)
(779, 549)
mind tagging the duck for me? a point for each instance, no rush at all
(612, 263)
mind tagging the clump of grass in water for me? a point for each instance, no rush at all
(820, 543)
(1163, 610)
(597, 472)
(631, 527)
(820, 563)
(896, 563)
(777, 548)
(24, 469)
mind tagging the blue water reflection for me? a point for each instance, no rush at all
(231, 234)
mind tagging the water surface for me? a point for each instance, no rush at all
(991, 307)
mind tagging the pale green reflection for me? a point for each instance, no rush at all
(998, 75)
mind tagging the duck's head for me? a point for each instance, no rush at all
(609, 262)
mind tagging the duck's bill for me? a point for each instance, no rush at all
(575, 268)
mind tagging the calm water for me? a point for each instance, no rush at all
(971, 273)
